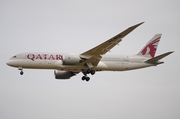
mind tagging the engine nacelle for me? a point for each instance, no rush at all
(63, 74)
(71, 59)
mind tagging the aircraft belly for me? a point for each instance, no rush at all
(121, 66)
(132, 66)
(116, 66)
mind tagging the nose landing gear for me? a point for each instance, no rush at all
(21, 70)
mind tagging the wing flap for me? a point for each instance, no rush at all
(92, 62)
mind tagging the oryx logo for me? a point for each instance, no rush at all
(151, 48)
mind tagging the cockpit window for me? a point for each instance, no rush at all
(14, 56)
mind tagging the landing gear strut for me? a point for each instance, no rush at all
(21, 70)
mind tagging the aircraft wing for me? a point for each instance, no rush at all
(95, 53)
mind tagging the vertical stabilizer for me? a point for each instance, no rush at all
(149, 50)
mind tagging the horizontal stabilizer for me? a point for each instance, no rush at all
(157, 58)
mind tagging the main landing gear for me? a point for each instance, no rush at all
(85, 78)
(21, 70)
(89, 71)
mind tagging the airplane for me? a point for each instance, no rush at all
(94, 60)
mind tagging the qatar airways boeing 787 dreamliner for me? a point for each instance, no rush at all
(67, 65)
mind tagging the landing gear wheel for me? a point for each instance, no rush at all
(92, 72)
(21, 72)
(84, 78)
(87, 78)
(88, 71)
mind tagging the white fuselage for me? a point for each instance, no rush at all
(55, 61)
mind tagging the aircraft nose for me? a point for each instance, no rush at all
(8, 63)
(11, 63)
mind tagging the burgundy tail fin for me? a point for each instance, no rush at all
(149, 50)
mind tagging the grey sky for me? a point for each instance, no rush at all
(77, 26)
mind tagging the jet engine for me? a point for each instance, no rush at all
(63, 74)
(71, 59)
